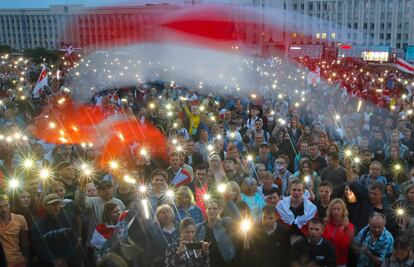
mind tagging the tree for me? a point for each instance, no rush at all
(41, 54)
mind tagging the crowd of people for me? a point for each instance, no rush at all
(249, 180)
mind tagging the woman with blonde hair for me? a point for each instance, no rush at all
(166, 221)
(339, 230)
(186, 205)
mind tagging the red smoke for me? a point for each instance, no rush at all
(69, 123)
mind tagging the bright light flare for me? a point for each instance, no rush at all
(45, 173)
(348, 153)
(206, 197)
(129, 180)
(28, 163)
(143, 189)
(249, 158)
(246, 225)
(14, 183)
(113, 164)
(170, 194)
(221, 188)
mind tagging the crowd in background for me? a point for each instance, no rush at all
(249, 180)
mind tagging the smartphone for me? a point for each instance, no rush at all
(194, 245)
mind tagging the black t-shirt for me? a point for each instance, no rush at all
(321, 254)
(298, 211)
(270, 250)
(321, 209)
(215, 256)
(319, 164)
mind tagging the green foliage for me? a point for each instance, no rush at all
(40, 55)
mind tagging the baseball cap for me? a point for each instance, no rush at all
(104, 184)
(51, 198)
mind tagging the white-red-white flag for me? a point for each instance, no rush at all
(41, 82)
(314, 77)
(404, 66)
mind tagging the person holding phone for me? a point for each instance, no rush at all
(185, 252)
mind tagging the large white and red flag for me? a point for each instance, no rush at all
(404, 66)
(41, 82)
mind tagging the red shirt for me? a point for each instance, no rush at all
(341, 237)
(199, 198)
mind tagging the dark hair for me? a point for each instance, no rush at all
(269, 210)
(159, 172)
(378, 186)
(402, 243)
(272, 140)
(316, 221)
(107, 209)
(186, 222)
(306, 161)
(326, 183)
(333, 155)
(201, 166)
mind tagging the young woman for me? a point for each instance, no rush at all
(186, 205)
(216, 232)
(339, 230)
(181, 254)
(311, 178)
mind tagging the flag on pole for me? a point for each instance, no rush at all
(404, 66)
(182, 177)
(41, 82)
(314, 77)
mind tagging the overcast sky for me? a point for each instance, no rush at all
(46, 3)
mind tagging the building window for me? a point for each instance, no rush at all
(372, 26)
(355, 25)
(333, 35)
(381, 36)
(318, 35)
(398, 45)
(382, 26)
(295, 6)
(365, 26)
(398, 36)
(324, 35)
(310, 6)
(388, 36)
